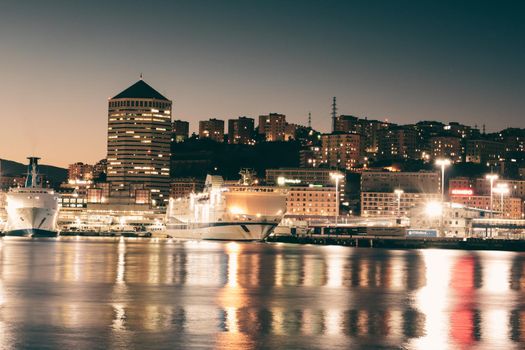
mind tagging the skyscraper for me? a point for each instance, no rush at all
(139, 134)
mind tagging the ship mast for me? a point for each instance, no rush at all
(32, 172)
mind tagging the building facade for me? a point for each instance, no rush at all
(139, 136)
(311, 201)
(446, 147)
(399, 142)
(389, 181)
(79, 171)
(341, 150)
(241, 130)
(212, 129)
(273, 126)
(508, 208)
(180, 130)
(308, 177)
(390, 204)
(484, 152)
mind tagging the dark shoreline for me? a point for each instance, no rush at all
(515, 245)
(406, 243)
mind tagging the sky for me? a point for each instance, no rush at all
(403, 61)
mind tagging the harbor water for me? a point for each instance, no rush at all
(128, 293)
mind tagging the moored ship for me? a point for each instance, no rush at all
(32, 210)
(240, 213)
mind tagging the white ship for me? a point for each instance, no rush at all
(238, 213)
(32, 211)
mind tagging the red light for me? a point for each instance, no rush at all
(462, 191)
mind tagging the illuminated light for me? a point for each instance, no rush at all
(433, 209)
(236, 210)
(462, 192)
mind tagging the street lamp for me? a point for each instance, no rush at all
(502, 189)
(398, 192)
(442, 163)
(491, 177)
(336, 176)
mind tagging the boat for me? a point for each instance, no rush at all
(242, 212)
(32, 210)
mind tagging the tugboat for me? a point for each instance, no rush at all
(32, 211)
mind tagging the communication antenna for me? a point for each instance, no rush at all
(309, 120)
(334, 113)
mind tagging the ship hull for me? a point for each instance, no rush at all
(31, 222)
(31, 232)
(244, 231)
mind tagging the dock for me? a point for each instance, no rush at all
(384, 242)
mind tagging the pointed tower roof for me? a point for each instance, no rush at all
(140, 90)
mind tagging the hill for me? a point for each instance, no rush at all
(54, 174)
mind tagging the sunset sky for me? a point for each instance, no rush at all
(403, 60)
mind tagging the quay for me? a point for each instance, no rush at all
(405, 242)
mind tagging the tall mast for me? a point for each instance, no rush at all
(334, 113)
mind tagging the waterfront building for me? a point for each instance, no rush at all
(304, 177)
(512, 206)
(241, 130)
(485, 152)
(272, 126)
(180, 130)
(99, 193)
(311, 201)
(379, 197)
(455, 221)
(392, 204)
(316, 177)
(139, 136)
(341, 150)
(389, 181)
(446, 147)
(481, 186)
(212, 129)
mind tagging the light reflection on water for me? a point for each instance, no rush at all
(139, 294)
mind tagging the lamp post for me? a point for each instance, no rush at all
(336, 176)
(399, 192)
(491, 177)
(502, 189)
(442, 163)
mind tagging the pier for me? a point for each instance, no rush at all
(403, 242)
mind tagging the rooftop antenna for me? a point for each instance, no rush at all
(334, 113)
(484, 131)
(309, 120)
(140, 75)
